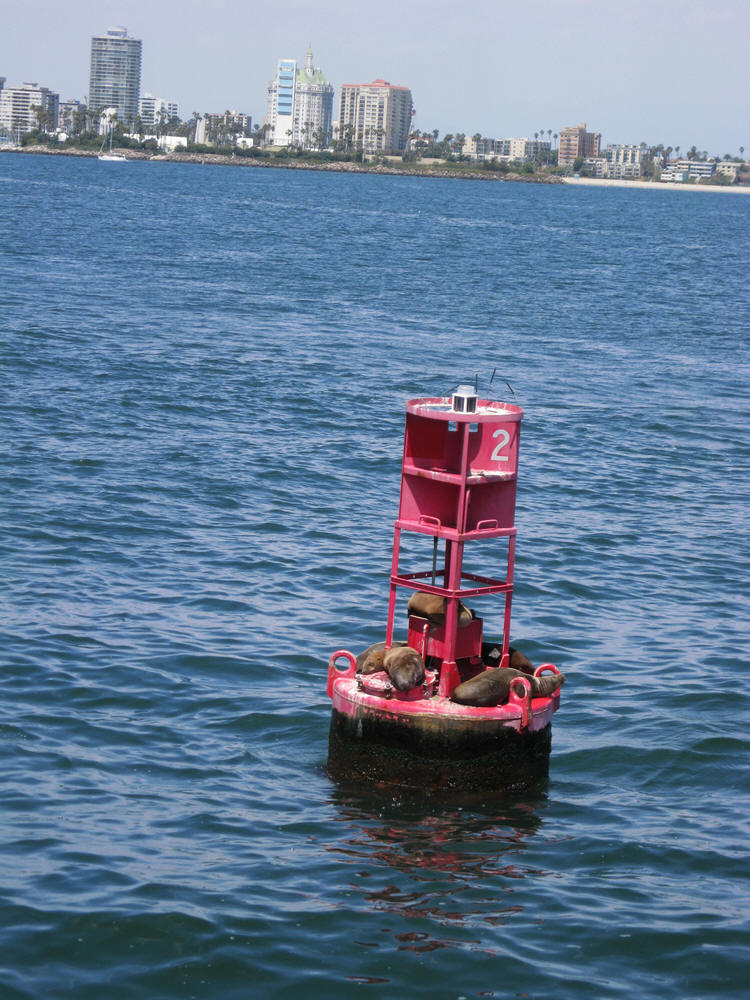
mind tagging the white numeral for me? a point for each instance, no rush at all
(505, 436)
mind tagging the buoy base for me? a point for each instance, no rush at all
(366, 748)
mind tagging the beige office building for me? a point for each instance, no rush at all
(375, 117)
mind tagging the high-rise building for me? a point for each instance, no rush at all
(22, 109)
(299, 105)
(375, 117)
(575, 141)
(115, 78)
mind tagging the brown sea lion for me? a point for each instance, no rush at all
(371, 660)
(492, 687)
(432, 607)
(492, 653)
(405, 667)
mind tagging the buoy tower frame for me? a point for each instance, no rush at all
(458, 485)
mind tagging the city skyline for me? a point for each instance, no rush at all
(671, 75)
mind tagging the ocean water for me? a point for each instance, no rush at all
(203, 378)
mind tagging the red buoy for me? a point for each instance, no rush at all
(458, 488)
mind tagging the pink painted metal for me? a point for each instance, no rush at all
(356, 696)
(458, 484)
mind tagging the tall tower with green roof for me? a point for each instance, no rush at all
(299, 105)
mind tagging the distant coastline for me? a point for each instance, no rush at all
(339, 166)
(405, 170)
(656, 185)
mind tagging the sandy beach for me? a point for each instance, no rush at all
(656, 185)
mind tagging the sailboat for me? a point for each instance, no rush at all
(112, 157)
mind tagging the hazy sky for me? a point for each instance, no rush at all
(670, 71)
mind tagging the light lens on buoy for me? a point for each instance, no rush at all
(464, 399)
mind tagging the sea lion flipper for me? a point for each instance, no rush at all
(546, 684)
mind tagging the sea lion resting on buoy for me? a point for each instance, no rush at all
(432, 607)
(405, 667)
(371, 660)
(492, 687)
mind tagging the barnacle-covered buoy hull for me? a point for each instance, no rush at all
(422, 740)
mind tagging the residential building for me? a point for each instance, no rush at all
(66, 113)
(299, 105)
(617, 162)
(684, 170)
(510, 150)
(224, 128)
(576, 142)
(153, 110)
(730, 168)
(115, 76)
(375, 117)
(25, 108)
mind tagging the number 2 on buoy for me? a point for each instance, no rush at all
(505, 438)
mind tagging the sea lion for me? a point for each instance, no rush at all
(432, 607)
(371, 660)
(492, 654)
(405, 667)
(492, 687)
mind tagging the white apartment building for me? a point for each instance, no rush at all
(617, 162)
(18, 109)
(510, 150)
(624, 161)
(729, 168)
(154, 109)
(115, 73)
(66, 114)
(683, 170)
(299, 105)
(375, 117)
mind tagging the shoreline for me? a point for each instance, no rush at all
(349, 166)
(337, 166)
(655, 185)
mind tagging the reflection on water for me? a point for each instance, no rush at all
(447, 862)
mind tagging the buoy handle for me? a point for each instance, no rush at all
(545, 667)
(521, 698)
(334, 672)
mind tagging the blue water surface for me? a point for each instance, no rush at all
(204, 371)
